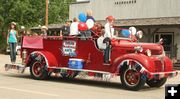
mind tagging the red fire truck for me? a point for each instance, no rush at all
(136, 63)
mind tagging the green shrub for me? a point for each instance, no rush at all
(2, 44)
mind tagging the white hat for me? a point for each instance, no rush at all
(14, 23)
(44, 27)
(22, 27)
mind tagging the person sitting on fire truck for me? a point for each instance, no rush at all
(100, 44)
(89, 15)
(65, 29)
(74, 27)
(109, 34)
(44, 29)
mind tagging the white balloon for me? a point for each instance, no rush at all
(140, 34)
(90, 23)
(132, 30)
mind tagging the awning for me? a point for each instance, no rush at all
(50, 26)
(144, 22)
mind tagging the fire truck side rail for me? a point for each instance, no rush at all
(83, 70)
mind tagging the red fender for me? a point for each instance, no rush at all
(168, 64)
(142, 59)
(48, 56)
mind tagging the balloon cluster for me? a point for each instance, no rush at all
(84, 24)
(131, 32)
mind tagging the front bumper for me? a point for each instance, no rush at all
(159, 75)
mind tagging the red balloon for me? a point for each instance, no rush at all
(82, 26)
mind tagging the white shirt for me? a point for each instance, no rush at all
(100, 43)
(109, 31)
(74, 28)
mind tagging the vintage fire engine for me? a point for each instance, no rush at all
(136, 63)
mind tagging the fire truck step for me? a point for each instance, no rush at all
(84, 73)
(84, 70)
(18, 67)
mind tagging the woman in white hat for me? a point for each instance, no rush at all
(12, 41)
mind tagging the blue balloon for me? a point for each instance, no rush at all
(82, 17)
(125, 33)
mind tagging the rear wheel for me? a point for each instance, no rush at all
(38, 69)
(131, 78)
(156, 82)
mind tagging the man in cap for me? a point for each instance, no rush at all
(23, 31)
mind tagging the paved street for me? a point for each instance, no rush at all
(21, 86)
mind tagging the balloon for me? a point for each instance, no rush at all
(132, 30)
(82, 26)
(90, 23)
(139, 34)
(125, 33)
(82, 17)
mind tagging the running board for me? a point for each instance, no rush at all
(84, 70)
(18, 67)
(83, 73)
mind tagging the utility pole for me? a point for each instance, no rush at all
(46, 17)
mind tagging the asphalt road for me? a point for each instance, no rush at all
(21, 86)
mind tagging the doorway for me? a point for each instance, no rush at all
(168, 42)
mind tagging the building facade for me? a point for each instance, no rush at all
(127, 9)
(156, 18)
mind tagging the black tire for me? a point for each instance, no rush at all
(156, 82)
(137, 86)
(43, 72)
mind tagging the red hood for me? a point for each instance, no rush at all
(156, 49)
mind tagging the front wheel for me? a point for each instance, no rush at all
(156, 82)
(131, 78)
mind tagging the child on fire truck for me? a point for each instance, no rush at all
(104, 40)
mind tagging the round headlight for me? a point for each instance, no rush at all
(148, 52)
